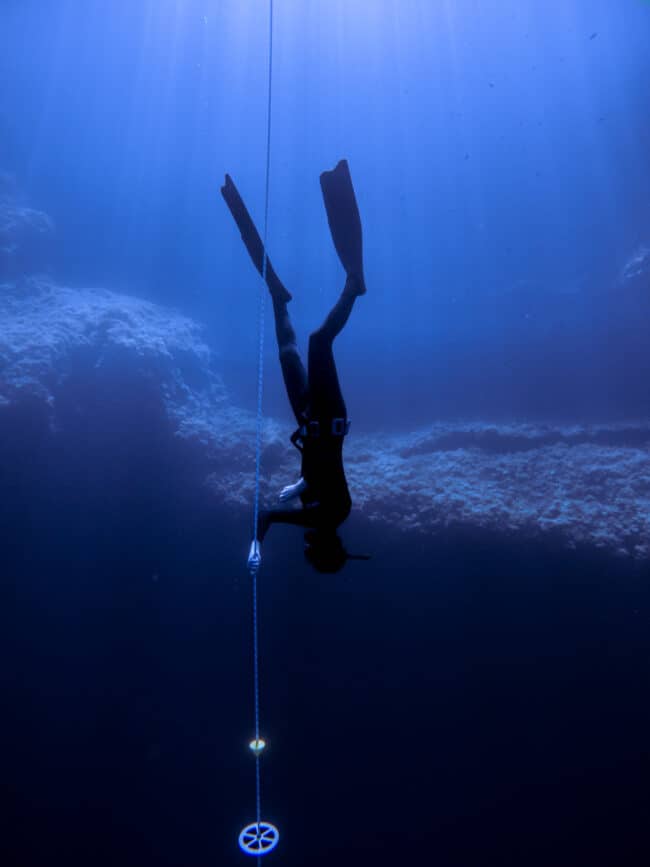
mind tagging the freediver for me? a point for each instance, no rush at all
(315, 394)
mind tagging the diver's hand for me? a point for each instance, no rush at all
(254, 557)
(291, 491)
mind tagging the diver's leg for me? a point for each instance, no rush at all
(340, 313)
(251, 239)
(293, 370)
(326, 400)
(344, 220)
(325, 397)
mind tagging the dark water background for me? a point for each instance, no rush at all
(464, 701)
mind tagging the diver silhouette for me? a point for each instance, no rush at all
(315, 394)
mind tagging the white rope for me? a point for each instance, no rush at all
(258, 436)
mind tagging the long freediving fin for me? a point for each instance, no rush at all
(250, 237)
(344, 220)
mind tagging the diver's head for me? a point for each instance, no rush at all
(324, 550)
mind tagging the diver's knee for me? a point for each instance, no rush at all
(319, 338)
(288, 351)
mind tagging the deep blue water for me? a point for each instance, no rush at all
(465, 701)
(468, 700)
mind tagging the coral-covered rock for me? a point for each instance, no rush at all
(51, 334)
(87, 353)
(636, 271)
(26, 235)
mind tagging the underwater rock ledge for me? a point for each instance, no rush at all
(64, 352)
(26, 235)
(570, 486)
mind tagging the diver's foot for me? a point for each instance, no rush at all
(277, 290)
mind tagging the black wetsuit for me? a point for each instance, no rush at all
(315, 396)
